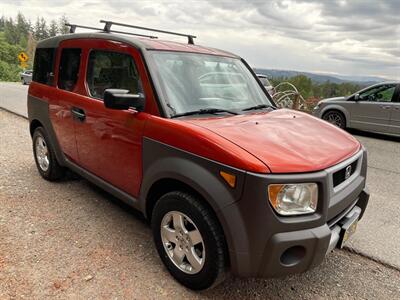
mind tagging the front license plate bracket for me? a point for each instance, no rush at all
(348, 229)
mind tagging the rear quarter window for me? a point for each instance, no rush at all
(43, 66)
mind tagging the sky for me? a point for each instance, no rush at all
(348, 37)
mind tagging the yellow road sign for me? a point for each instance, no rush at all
(23, 57)
(23, 64)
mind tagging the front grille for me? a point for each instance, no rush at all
(343, 174)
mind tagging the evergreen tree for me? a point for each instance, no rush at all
(10, 32)
(2, 23)
(62, 29)
(41, 31)
(23, 27)
(53, 29)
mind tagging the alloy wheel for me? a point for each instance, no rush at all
(42, 153)
(183, 242)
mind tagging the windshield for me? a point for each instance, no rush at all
(192, 82)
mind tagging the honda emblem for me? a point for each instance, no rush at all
(347, 174)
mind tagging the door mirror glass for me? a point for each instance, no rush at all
(121, 99)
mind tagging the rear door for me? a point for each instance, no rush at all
(373, 109)
(395, 113)
(65, 96)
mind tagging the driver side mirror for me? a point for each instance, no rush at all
(120, 99)
(357, 97)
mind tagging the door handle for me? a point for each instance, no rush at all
(78, 114)
(386, 107)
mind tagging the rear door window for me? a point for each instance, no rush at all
(69, 68)
(43, 66)
(115, 70)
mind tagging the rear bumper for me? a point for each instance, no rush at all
(263, 244)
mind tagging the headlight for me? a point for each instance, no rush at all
(316, 107)
(293, 199)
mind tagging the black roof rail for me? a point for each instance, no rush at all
(72, 28)
(108, 24)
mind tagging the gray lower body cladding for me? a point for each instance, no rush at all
(267, 245)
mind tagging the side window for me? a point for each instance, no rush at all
(112, 70)
(43, 66)
(69, 68)
(383, 93)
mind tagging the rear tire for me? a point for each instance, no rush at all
(336, 118)
(201, 238)
(45, 157)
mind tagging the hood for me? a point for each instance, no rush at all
(333, 99)
(286, 141)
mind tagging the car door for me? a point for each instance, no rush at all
(64, 97)
(109, 141)
(395, 113)
(372, 110)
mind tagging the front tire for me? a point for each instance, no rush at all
(189, 240)
(45, 157)
(336, 118)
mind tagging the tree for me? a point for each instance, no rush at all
(53, 29)
(10, 32)
(62, 29)
(41, 31)
(2, 23)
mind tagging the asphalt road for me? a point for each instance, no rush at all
(13, 97)
(70, 239)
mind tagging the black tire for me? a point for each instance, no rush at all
(336, 118)
(214, 269)
(54, 171)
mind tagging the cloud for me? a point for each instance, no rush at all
(358, 37)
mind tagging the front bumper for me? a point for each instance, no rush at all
(298, 251)
(263, 244)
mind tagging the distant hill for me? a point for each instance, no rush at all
(320, 78)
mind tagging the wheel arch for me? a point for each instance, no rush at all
(338, 108)
(33, 125)
(165, 185)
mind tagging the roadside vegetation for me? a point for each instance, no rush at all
(312, 92)
(20, 34)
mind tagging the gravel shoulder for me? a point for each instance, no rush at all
(72, 240)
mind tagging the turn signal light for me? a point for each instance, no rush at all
(229, 178)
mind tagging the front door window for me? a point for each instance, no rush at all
(383, 93)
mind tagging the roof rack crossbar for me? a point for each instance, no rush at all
(108, 24)
(72, 29)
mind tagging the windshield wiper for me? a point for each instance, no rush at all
(259, 106)
(204, 111)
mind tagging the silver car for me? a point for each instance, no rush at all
(375, 108)
(265, 82)
(26, 77)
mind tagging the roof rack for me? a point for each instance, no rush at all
(108, 24)
(72, 28)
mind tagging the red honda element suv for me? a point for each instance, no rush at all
(190, 137)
